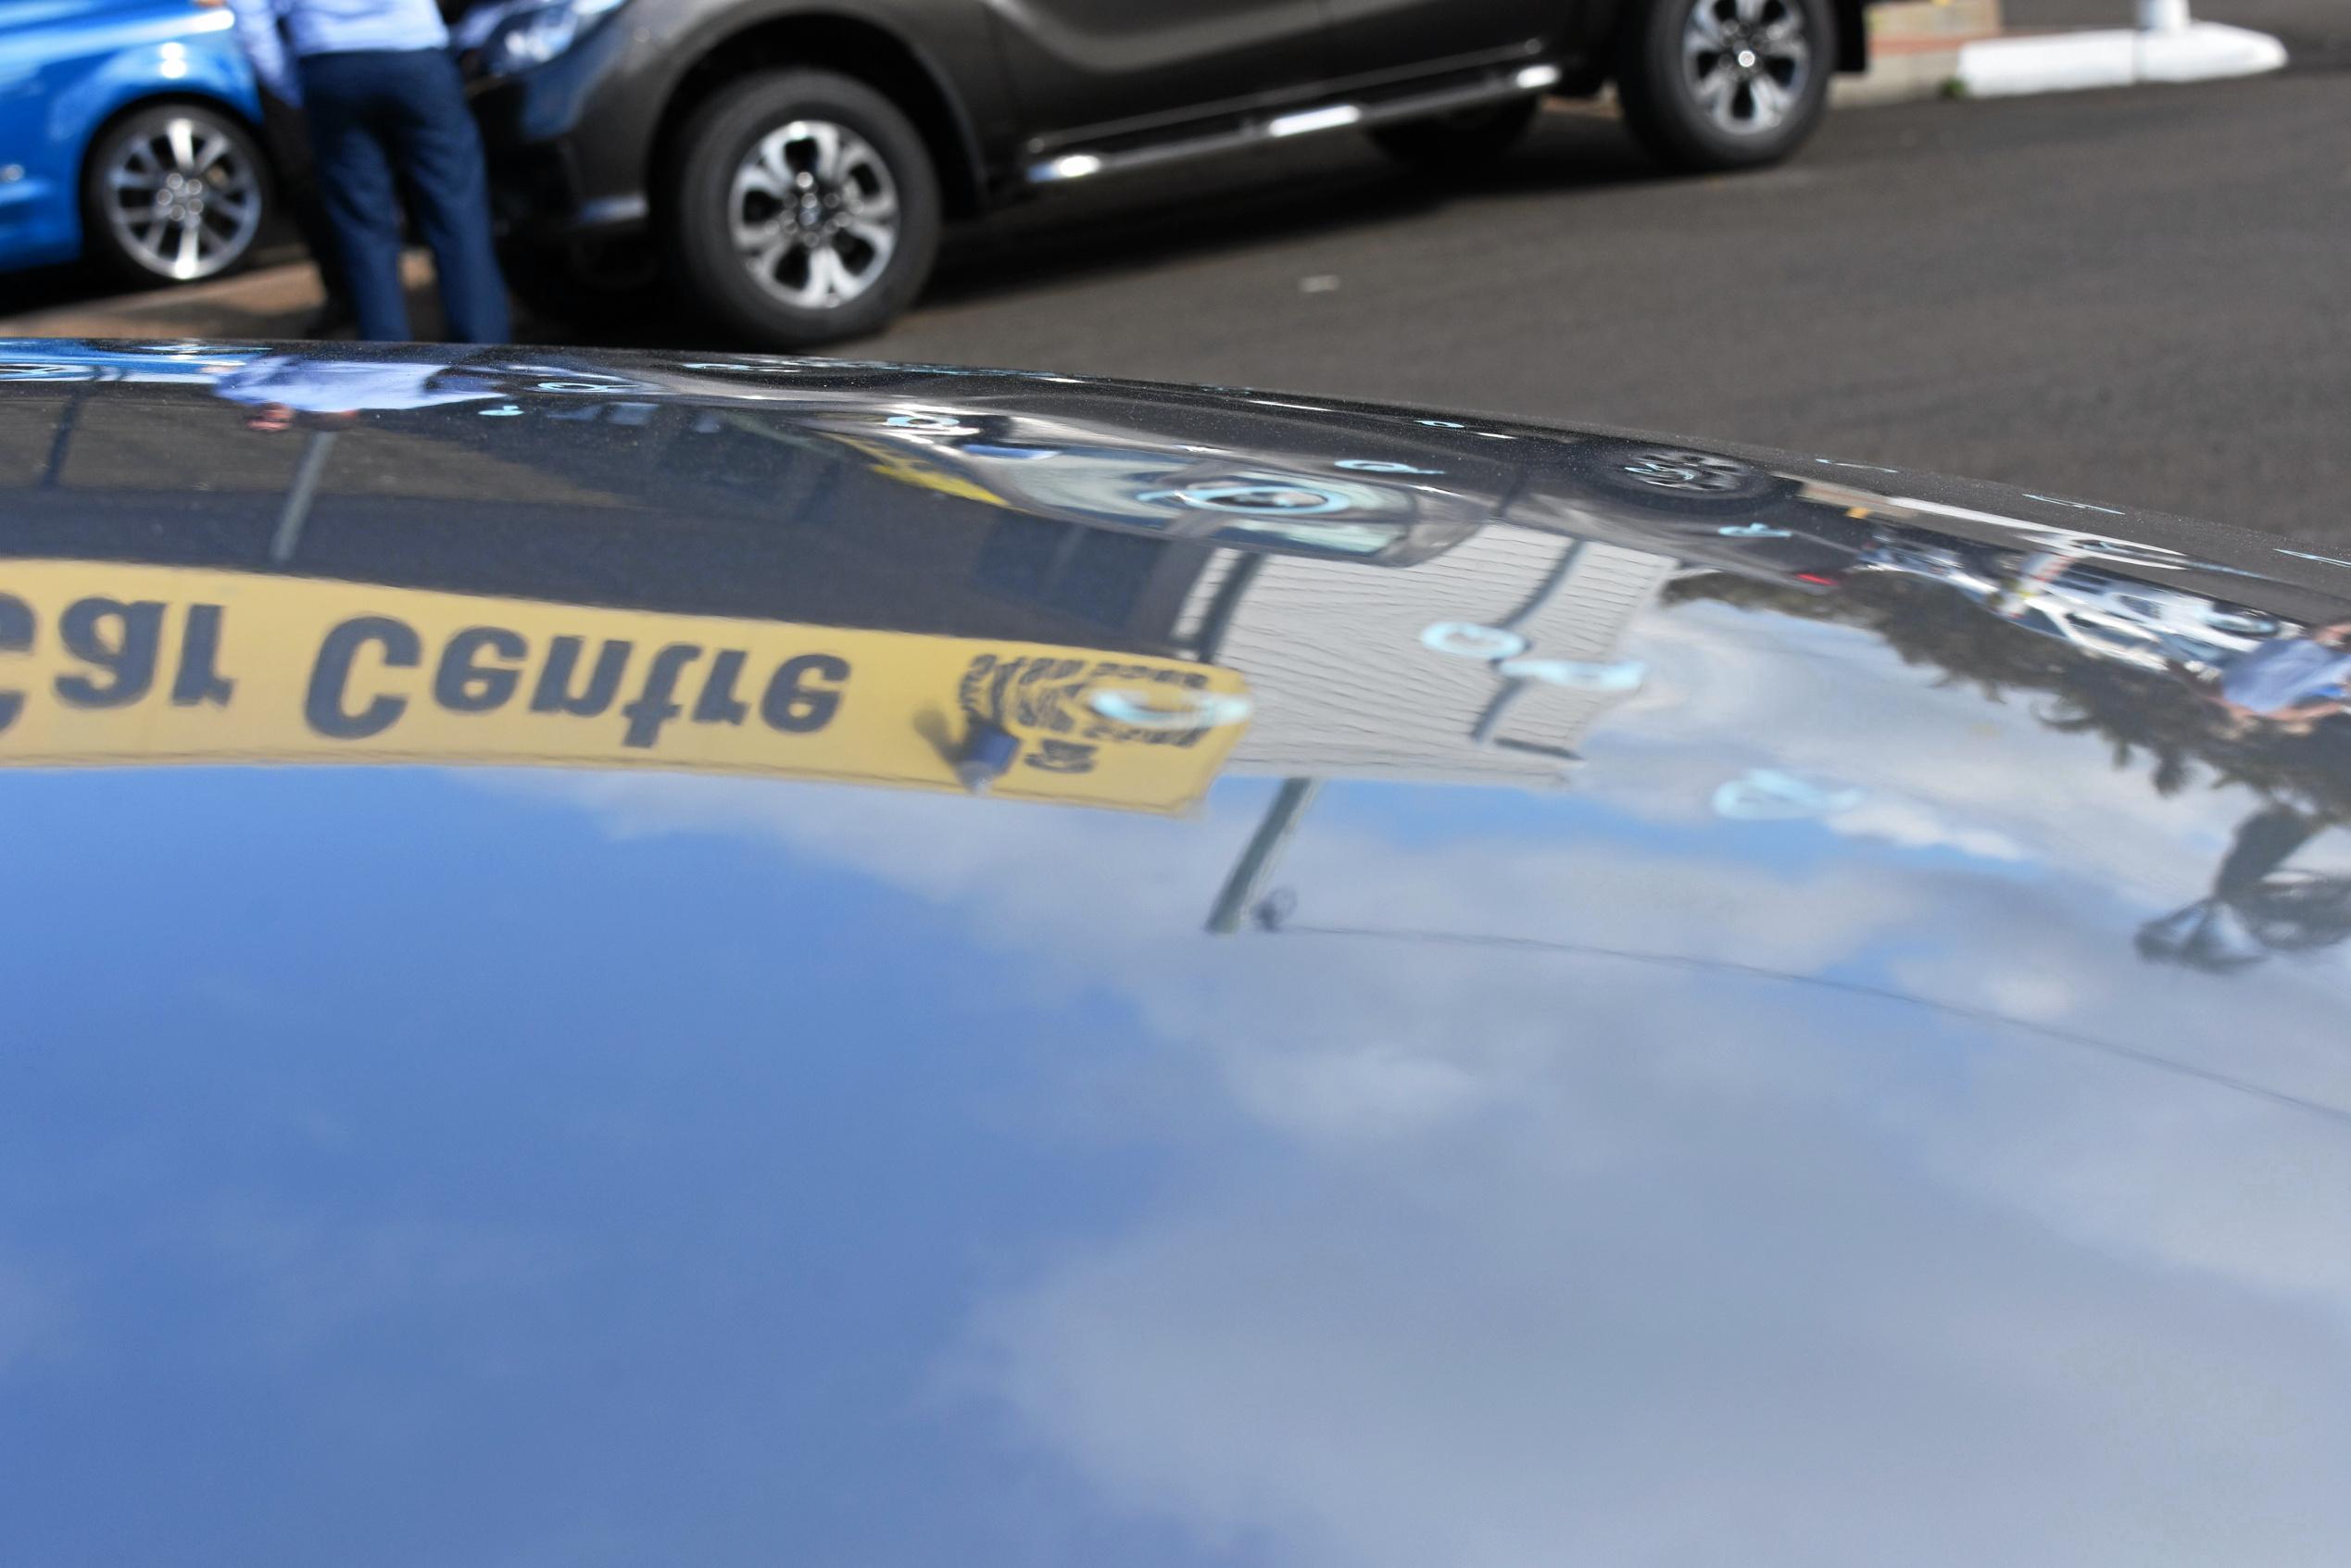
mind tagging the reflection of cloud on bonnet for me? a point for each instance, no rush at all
(1062, 890)
(1910, 824)
(1555, 1263)
(1623, 1320)
(1304, 1026)
(1983, 768)
(1061, 887)
(1775, 794)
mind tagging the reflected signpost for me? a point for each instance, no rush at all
(1246, 880)
(61, 442)
(300, 494)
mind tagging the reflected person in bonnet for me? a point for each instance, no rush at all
(323, 391)
(2290, 681)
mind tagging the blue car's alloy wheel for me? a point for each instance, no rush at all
(175, 192)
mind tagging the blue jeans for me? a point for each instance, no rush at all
(381, 116)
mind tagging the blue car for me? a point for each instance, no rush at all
(128, 136)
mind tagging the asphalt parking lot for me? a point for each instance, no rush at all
(2136, 297)
(2130, 297)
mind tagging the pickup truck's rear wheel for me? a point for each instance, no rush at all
(1725, 83)
(807, 210)
(1464, 136)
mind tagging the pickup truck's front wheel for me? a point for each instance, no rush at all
(1725, 83)
(807, 210)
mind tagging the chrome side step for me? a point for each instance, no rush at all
(1346, 114)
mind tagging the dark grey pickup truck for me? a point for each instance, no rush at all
(789, 163)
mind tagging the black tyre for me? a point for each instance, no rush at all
(807, 210)
(174, 192)
(1725, 83)
(1465, 136)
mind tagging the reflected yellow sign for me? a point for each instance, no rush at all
(104, 663)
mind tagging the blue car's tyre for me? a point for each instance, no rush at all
(174, 192)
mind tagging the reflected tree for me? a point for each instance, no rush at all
(2257, 906)
(2143, 715)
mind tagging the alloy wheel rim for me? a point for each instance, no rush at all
(813, 212)
(1746, 62)
(183, 200)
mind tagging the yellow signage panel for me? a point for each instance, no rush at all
(107, 663)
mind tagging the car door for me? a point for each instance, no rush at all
(1090, 67)
(1394, 37)
(36, 174)
(66, 67)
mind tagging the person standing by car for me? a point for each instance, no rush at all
(289, 141)
(279, 387)
(386, 107)
(2291, 681)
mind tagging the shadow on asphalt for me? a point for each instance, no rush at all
(83, 282)
(1274, 197)
(1136, 223)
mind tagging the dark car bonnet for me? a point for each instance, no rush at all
(703, 961)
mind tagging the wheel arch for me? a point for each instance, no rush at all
(196, 97)
(1852, 34)
(854, 46)
(1611, 20)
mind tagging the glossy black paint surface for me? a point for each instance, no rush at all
(1832, 1052)
(1376, 35)
(1082, 63)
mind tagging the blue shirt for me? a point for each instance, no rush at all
(2285, 672)
(329, 27)
(318, 385)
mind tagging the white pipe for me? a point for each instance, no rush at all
(2162, 16)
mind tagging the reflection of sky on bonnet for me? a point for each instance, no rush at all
(1569, 1261)
(732, 1171)
(406, 1173)
(1762, 690)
